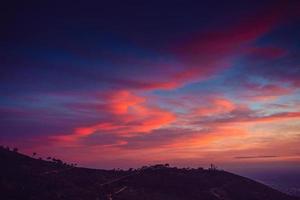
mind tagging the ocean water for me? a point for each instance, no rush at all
(286, 180)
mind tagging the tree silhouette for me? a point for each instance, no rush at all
(213, 167)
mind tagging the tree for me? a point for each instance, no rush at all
(212, 167)
(33, 154)
(15, 150)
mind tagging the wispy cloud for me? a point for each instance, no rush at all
(255, 157)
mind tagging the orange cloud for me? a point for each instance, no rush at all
(120, 102)
(131, 115)
(216, 106)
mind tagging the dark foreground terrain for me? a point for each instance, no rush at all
(23, 177)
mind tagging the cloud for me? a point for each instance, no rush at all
(264, 92)
(255, 157)
(128, 114)
(215, 106)
(248, 116)
(266, 53)
(194, 57)
(204, 90)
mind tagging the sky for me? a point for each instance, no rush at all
(123, 84)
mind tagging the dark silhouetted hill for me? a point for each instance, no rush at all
(26, 178)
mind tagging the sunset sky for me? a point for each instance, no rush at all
(131, 83)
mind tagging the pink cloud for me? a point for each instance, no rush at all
(215, 106)
(129, 114)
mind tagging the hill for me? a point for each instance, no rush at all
(23, 177)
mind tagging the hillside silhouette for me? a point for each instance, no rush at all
(26, 178)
